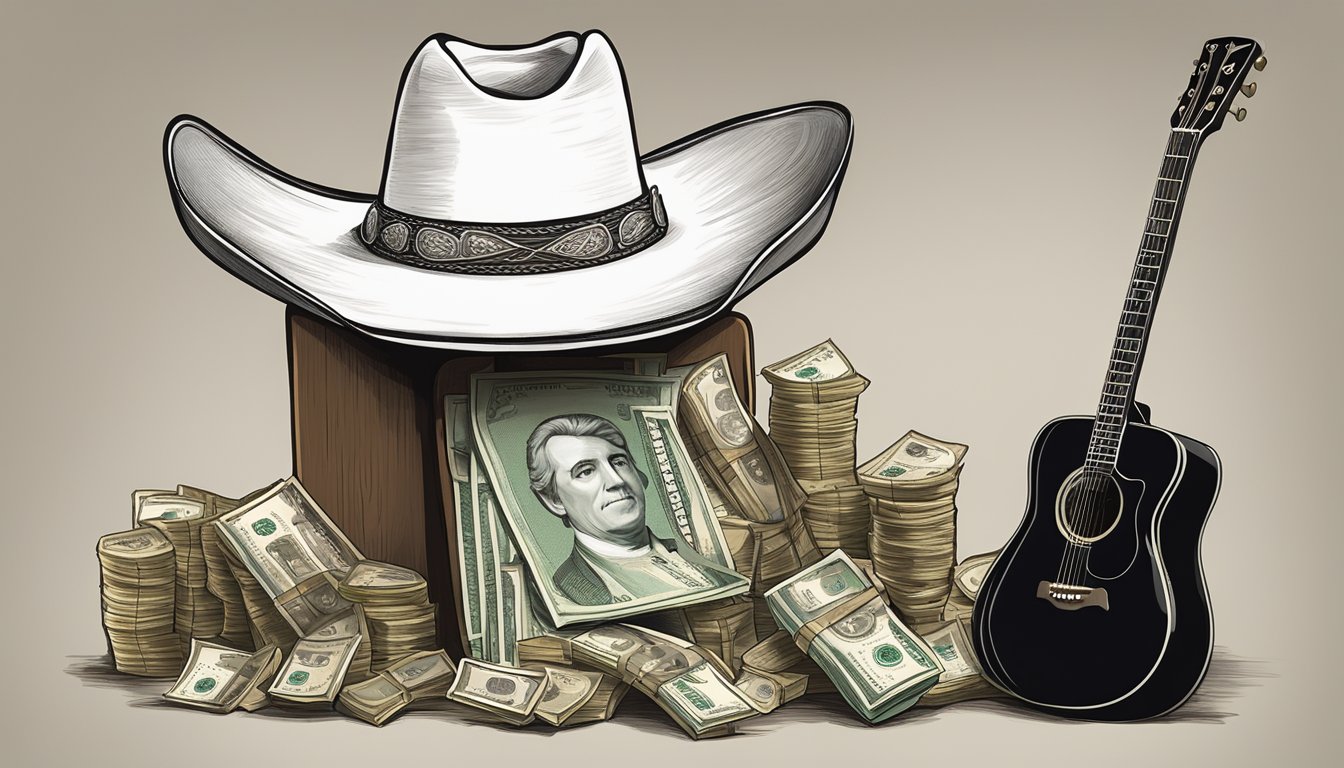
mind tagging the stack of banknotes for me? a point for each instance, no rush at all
(138, 573)
(913, 488)
(414, 677)
(836, 616)
(814, 397)
(395, 602)
(198, 613)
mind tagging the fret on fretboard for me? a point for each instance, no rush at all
(1122, 370)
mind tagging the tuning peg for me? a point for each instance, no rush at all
(1239, 113)
(1248, 90)
(1260, 63)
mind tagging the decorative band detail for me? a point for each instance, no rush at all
(515, 249)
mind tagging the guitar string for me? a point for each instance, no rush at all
(1175, 165)
(1092, 484)
(1171, 167)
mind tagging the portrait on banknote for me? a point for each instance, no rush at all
(599, 493)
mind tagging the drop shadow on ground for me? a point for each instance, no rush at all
(1228, 679)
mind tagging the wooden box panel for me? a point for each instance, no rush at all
(368, 439)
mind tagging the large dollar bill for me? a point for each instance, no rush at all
(221, 679)
(836, 616)
(690, 684)
(284, 537)
(577, 477)
(457, 425)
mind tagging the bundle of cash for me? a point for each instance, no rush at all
(813, 399)
(965, 587)
(312, 676)
(139, 570)
(413, 677)
(836, 616)
(768, 553)
(961, 679)
(275, 540)
(219, 579)
(222, 679)
(913, 487)
(574, 696)
(745, 465)
(197, 612)
(505, 693)
(396, 604)
(690, 683)
(265, 622)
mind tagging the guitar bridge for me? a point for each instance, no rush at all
(1068, 597)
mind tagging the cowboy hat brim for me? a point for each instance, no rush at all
(743, 199)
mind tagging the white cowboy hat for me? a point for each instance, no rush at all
(515, 212)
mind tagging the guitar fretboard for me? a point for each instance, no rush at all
(1136, 318)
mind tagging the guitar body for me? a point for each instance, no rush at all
(1147, 648)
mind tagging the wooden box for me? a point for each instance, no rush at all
(367, 428)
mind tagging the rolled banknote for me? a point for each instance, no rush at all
(412, 678)
(221, 679)
(508, 694)
(284, 537)
(836, 616)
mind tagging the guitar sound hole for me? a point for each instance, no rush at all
(1089, 506)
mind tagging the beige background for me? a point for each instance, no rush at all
(974, 268)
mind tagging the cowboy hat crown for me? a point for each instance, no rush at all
(529, 134)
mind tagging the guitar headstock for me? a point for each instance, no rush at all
(1219, 76)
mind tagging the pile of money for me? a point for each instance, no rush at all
(836, 617)
(961, 679)
(912, 486)
(727, 627)
(813, 400)
(395, 602)
(197, 613)
(505, 693)
(139, 570)
(221, 679)
(965, 588)
(414, 677)
(219, 580)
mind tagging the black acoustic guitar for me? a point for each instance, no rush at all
(1097, 607)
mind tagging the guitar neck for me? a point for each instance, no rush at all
(1136, 319)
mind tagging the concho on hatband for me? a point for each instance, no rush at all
(515, 249)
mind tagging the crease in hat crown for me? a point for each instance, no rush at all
(512, 134)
